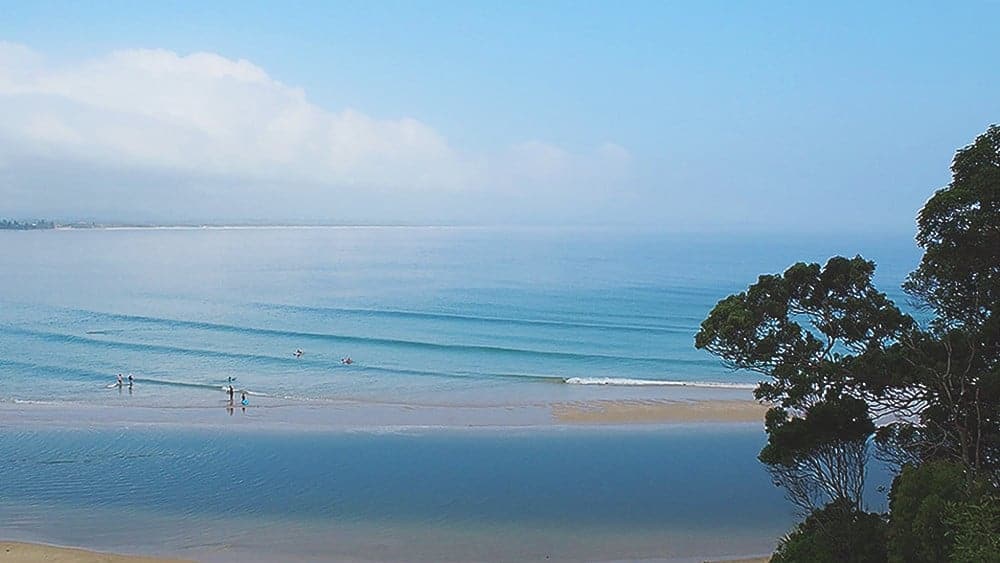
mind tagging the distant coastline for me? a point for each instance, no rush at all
(10, 225)
(45, 224)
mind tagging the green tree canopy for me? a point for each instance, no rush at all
(803, 328)
(836, 533)
(841, 361)
(959, 230)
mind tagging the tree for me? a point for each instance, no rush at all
(802, 329)
(959, 230)
(975, 528)
(959, 279)
(825, 334)
(943, 387)
(940, 512)
(820, 457)
(918, 502)
(837, 533)
(944, 382)
(839, 355)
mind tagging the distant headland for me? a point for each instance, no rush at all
(44, 224)
(9, 225)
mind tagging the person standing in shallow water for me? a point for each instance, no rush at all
(231, 392)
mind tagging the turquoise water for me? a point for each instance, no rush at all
(443, 325)
(427, 314)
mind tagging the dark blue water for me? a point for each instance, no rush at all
(667, 485)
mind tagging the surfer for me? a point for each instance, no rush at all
(119, 380)
(298, 353)
(346, 361)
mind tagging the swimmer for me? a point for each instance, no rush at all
(298, 353)
(119, 380)
(243, 399)
(130, 380)
(346, 361)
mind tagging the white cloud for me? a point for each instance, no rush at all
(205, 119)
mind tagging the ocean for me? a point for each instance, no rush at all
(436, 443)
(426, 314)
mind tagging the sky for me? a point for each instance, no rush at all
(682, 116)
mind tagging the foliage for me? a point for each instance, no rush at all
(975, 529)
(840, 357)
(799, 328)
(959, 279)
(837, 533)
(944, 390)
(940, 512)
(960, 234)
(795, 327)
(819, 457)
(918, 502)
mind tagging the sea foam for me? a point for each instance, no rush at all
(624, 381)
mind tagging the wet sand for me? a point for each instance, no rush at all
(17, 552)
(263, 414)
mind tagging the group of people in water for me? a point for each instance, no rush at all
(243, 395)
(244, 402)
(346, 360)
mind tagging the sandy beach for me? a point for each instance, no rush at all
(17, 552)
(264, 414)
(658, 411)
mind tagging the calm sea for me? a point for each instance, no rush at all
(433, 318)
(426, 314)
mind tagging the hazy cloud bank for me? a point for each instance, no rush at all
(151, 134)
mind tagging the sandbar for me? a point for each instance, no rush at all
(17, 552)
(653, 411)
(21, 552)
(605, 412)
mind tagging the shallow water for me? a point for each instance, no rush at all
(492, 494)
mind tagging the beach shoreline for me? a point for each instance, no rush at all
(34, 552)
(604, 413)
(29, 552)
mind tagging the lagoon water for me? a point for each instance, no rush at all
(442, 322)
(402, 496)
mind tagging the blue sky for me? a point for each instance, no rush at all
(690, 116)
